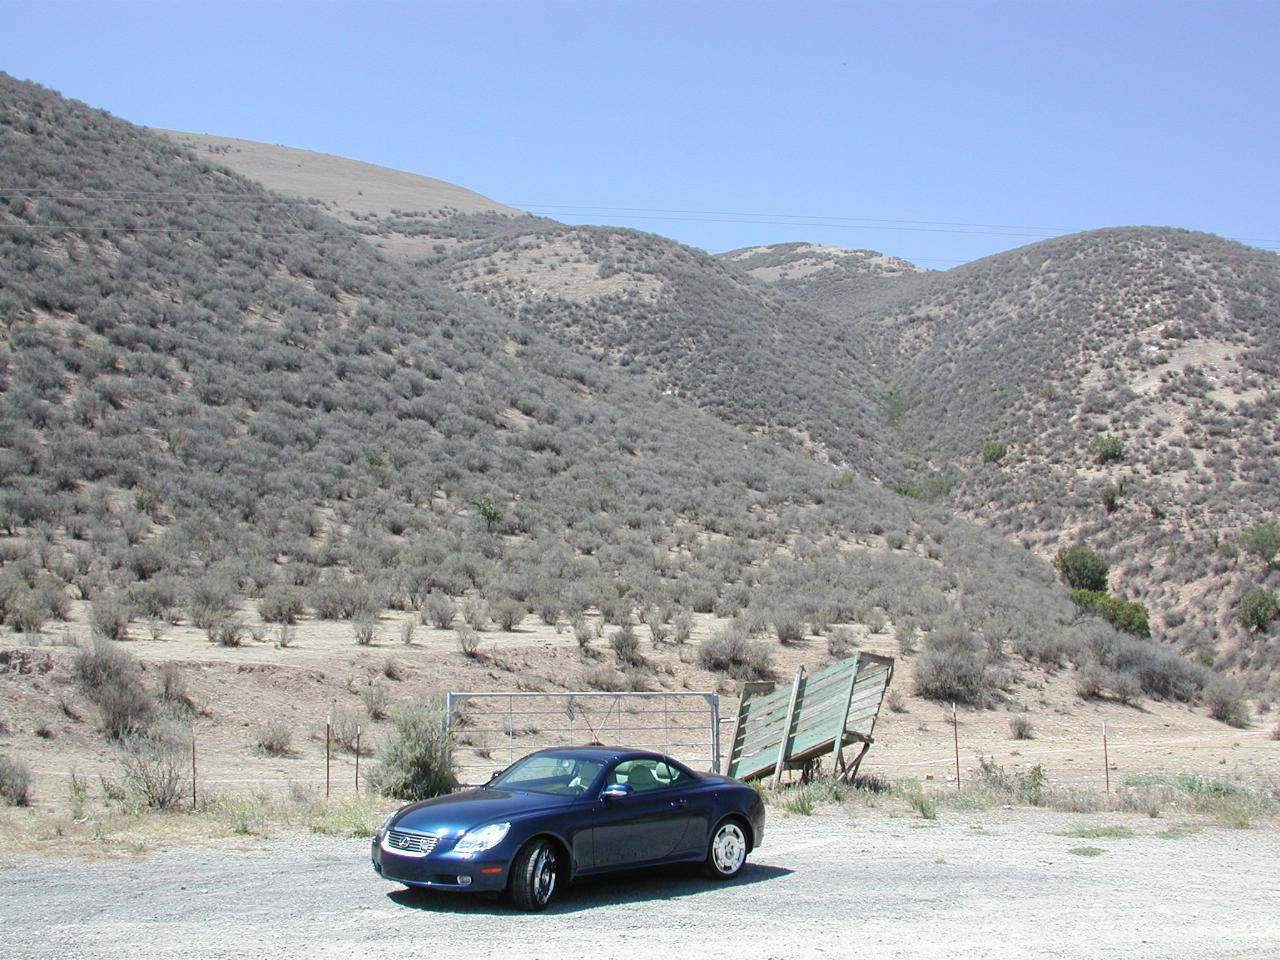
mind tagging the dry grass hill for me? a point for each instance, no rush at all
(244, 448)
(1164, 340)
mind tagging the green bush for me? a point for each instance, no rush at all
(1106, 448)
(417, 759)
(626, 646)
(1127, 615)
(1081, 568)
(993, 452)
(1257, 608)
(1263, 541)
(15, 782)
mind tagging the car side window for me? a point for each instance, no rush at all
(644, 774)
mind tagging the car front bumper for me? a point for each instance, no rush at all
(440, 871)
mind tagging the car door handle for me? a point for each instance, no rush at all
(677, 803)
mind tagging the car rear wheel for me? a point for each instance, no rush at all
(727, 852)
(533, 875)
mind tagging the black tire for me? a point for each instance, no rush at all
(727, 851)
(534, 874)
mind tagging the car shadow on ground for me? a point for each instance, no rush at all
(660, 883)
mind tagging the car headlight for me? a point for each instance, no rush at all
(386, 824)
(482, 839)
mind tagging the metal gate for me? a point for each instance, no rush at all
(491, 730)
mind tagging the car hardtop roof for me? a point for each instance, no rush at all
(603, 753)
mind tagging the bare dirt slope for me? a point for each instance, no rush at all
(991, 885)
(349, 187)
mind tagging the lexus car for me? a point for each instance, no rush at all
(564, 813)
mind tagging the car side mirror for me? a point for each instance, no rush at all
(617, 791)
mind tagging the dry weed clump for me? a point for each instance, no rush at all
(273, 738)
(15, 782)
(112, 680)
(730, 651)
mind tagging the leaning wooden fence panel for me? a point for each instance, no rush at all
(825, 713)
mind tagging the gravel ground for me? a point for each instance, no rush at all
(994, 884)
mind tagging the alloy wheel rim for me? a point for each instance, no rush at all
(544, 874)
(729, 849)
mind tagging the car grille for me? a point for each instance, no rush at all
(417, 843)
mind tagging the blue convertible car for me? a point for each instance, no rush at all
(564, 813)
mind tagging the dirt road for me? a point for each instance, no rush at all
(993, 884)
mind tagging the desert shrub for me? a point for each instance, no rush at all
(438, 611)
(273, 738)
(993, 451)
(468, 641)
(729, 650)
(476, 612)
(626, 646)
(840, 643)
(895, 701)
(173, 687)
(1081, 568)
(1263, 541)
(788, 627)
(345, 600)
(1110, 497)
(109, 619)
(27, 614)
(112, 681)
(681, 627)
(954, 668)
(1257, 608)
(376, 701)
(281, 605)
(1020, 727)
(607, 678)
(154, 766)
(584, 631)
(549, 612)
(510, 614)
(15, 782)
(346, 726)
(364, 631)
(1225, 699)
(417, 758)
(1092, 681)
(1106, 448)
(407, 629)
(1127, 615)
(228, 632)
(210, 600)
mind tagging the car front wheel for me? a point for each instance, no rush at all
(533, 875)
(728, 851)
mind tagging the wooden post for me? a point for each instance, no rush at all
(785, 742)
(955, 738)
(357, 761)
(837, 754)
(193, 774)
(328, 749)
(1106, 760)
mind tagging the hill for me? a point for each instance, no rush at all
(902, 376)
(1164, 340)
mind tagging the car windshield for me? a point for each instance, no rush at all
(543, 773)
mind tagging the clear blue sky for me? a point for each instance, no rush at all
(726, 124)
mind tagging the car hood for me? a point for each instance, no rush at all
(459, 812)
